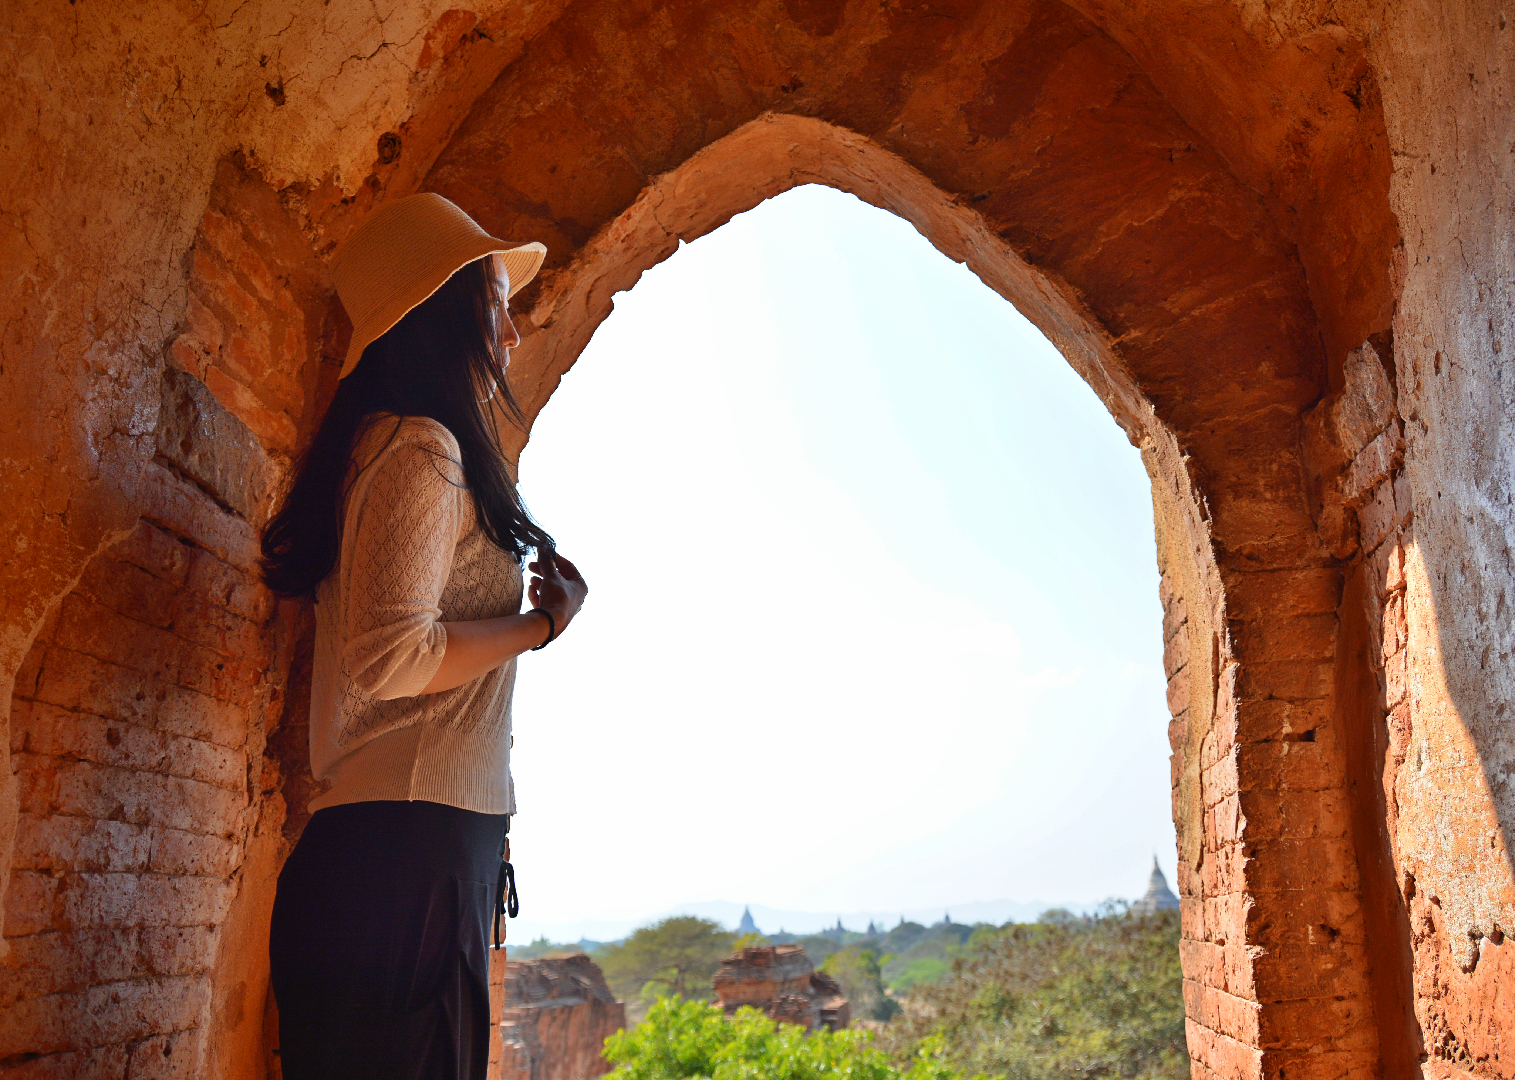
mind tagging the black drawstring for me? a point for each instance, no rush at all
(506, 901)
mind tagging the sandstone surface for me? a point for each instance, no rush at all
(1275, 238)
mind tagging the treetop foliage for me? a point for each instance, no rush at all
(1069, 997)
(677, 956)
(692, 1039)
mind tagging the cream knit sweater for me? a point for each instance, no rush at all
(413, 556)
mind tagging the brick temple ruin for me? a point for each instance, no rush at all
(780, 981)
(1274, 238)
(555, 1015)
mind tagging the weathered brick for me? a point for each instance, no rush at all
(1396, 678)
(1386, 567)
(167, 1057)
(83, 737)
(274, 428)
(1224, 966)
(1222, 1012)
(236, 590)
(85, 789)
(1303, 637)
(1282, 594)
(1178, 691)
(122, 900)
(225, 237)
(1295, 815)
(1319, 1024)
(181, 508)
(1394, 632)
(1220, 824)
(178, 852)
(1219, 781)
(1374, 463)
(151, 549)
(1305, 918)
(1278, 720)
(1404, 500)
(31, 904)
(1221, 742)
(1178, 727)
(101, 1063)
(1398, 722)
(1203, 962)
(132, 592)
(1175, 617)
(1221, 1055)
(175, 950)
(86, 684)
(1325, 969)
(1175, 652)
(1377, 516)
(195, 570)
(1225, 917)
(139, 1008)
(56, 962)
(1318, 863)
(55, 842)
(29, 672)
(36, 781)
(1319, 1064)
(93, 629)
(1289, 680)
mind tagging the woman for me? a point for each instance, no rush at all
(404, 526)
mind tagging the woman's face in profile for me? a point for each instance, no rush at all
(509, 336)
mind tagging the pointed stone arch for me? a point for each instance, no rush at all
(1168, 284)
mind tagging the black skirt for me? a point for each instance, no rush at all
(379, 943)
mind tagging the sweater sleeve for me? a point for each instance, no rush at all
(405, 531)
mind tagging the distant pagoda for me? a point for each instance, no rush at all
(1159, 897)
(747, 926)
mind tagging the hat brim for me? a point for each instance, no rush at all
(522, 261)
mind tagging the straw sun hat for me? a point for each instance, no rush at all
(403, 252)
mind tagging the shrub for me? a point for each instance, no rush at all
(1070, 997)
(689, 1039)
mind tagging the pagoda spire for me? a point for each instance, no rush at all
(1159, 897)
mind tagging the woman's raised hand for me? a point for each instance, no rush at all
(559, 587)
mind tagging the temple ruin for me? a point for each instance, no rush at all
(781, 982)
(1274, 238)
(555, 1015)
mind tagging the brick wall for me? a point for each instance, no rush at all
(1274, 940)
(1463, 1011)
(152, 812)
(138, 731)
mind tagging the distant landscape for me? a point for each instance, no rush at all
(1066, 994)
(728, 913)
(907, 953)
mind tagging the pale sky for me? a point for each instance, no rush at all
(873, 618)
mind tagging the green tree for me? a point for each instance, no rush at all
(1062, 999)
(857, 970)
(692, 1039)
(675, 956)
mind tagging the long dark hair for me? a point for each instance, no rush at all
(431, 363)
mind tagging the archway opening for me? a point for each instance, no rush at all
(878, 595)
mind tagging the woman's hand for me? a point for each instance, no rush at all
(559, 587)
(474, 648)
